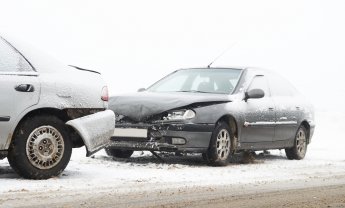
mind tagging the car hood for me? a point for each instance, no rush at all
(141, 105)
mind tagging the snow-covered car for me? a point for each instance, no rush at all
(46, 109)
(214, 111)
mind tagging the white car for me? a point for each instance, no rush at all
(46, 109)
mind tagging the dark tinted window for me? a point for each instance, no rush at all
(280, 86)
(11, 60)
(260, 82)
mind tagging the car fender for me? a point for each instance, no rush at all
(95, 137)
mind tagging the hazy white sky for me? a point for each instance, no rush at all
(134, 43)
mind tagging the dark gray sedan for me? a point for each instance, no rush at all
(215, 111)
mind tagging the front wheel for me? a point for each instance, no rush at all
(298, 151)
(220, 145)
(40, 148)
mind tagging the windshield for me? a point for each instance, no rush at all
(214, 80)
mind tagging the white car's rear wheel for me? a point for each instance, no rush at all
(41, 147)
(45, 147)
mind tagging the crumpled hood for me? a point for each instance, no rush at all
(141, 105)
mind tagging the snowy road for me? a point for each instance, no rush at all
(181, 181)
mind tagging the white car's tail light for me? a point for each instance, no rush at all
(105, 95)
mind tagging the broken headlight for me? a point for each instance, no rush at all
(179, 115)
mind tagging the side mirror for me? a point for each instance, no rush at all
(254, 93)
(141, 89)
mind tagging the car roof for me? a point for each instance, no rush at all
(38, 59)
(256, 70)
(238, 68)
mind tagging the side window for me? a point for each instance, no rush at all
(280, 87)
(11, 60)
(260, 82)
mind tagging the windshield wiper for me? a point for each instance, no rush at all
(194, 91)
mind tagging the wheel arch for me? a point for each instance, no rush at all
(62, 114)
(231, 121)
(306, 125)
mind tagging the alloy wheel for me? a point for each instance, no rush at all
(45, 147)
(223, 144)
(301, 142)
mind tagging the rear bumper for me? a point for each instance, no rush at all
(95, 130)
(161, 137)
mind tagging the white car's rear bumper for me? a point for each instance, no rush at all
(95, 129)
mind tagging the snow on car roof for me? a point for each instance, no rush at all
(40, 60)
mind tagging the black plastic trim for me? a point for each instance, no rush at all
(5, 118)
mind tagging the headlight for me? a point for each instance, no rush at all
(180, 115)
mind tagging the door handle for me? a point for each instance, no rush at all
(25, 88)
(297, 107)
(271, 108)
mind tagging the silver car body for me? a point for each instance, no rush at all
(55, 87)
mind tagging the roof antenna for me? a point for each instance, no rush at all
(226, 50)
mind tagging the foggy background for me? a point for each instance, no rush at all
(134, 43)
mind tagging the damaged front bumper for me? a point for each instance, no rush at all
(95, 130)
(168, 137)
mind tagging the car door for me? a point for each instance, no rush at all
(287, 108)
(259, 114)
(19, 89)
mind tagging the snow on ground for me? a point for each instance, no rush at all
(143, 171)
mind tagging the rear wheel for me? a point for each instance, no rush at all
(298, 151)
(40, 148)
(119, 153)
(219, 149)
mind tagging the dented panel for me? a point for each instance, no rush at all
(95, 129)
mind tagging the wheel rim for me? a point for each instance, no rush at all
(223, 144)
(45, 147)
(301, 142)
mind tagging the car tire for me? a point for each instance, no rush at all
(119, 153)
(40, 148)
(298, 151)
(219, 150)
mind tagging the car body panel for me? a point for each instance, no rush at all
(139, 106)
(264, 123)
(57, 87)
(94, 135)
(67, 89)
(259, 122)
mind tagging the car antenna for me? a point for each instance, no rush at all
(220, 55)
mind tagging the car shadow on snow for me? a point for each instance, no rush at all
(165, 158)
(257, 157)
(6, 172)
(193, 159)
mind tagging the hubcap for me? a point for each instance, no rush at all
(223, 144)
(301, 142)
(45, 147)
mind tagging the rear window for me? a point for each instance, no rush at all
(11, 60)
